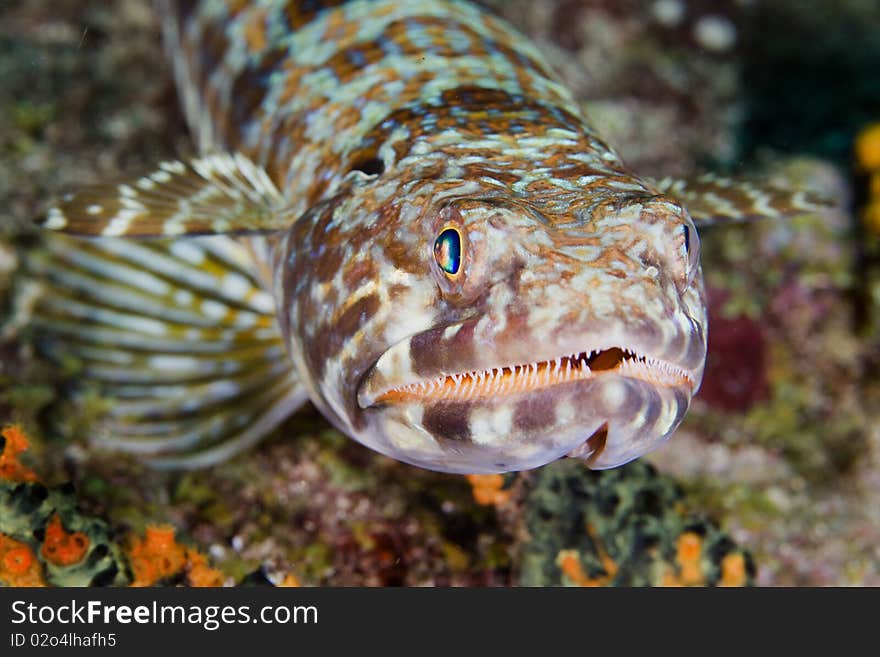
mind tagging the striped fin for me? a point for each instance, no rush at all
(712, 199)
(215, 194)
(179, 337)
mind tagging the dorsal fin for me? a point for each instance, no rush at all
(712, 199)
(215, 194)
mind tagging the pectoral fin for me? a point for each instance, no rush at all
(215, 194)
(178, 338)
(712, 199)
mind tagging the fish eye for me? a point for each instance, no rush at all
(447, 251)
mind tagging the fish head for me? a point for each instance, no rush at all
(478, 334)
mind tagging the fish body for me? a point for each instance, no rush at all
(409, 222)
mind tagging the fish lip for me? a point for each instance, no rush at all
(370, 393)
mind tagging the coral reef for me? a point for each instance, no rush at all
(490, 489)
(624, 527)
(158, 558)
(47, 540)
(630, 522)
(13, 443)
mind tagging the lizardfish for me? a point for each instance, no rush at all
(400, 213)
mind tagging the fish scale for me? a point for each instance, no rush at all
(296, 259)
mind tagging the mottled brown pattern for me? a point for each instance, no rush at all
(448, 421)
(330, 262)
(329, 339)
(249, 89)
(255, 31)
(535, 413)
(300, 13)
(185, 8)
(360, 271)
(211, 51)
(431, 352)
(401, 257)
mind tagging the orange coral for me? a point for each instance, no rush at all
(690, 573)
(688, 553)
(570, 563)
(487, 489)
(61, 547)
(867, 148)
(289, 580)
(871, 211)
(200, 573)
(11, 469)
(871, 214)
(158, 556)
(152, 558)
(733, 570)
(19, 566)
(688, 556)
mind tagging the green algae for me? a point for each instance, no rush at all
(27, 509)
(631, 513)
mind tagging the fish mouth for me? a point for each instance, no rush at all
(524, 378)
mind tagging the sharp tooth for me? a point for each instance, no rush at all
(517, 378)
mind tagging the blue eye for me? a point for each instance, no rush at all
(447, 251)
